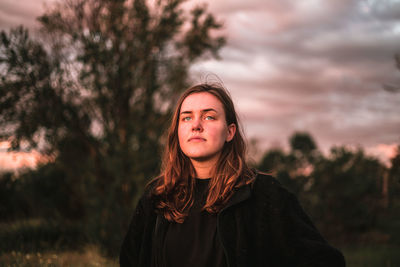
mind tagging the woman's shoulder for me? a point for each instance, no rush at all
(267, 185)
(264, 180)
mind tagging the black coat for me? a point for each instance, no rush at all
(262, 225)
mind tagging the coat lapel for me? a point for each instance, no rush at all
(241, 194)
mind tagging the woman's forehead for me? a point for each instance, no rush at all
(201, 101)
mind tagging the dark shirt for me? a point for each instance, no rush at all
(195, 242)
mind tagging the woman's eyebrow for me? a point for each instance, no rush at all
(209, 109)
(202, 111)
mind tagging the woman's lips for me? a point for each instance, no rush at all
(196, 139)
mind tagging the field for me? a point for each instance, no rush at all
(90, 257)
(370, 256)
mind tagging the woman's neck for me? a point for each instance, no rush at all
(203, 168)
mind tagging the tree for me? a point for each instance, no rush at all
(394, 171)
(302, 142)
(94, 92)
(292, 169)
(346, 193)
(392, 217)
(342, 191)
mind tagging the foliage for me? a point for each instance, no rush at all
(343, 192)
(93, 92)
(347, 177)
(292, 168)
(394, 173)
(42, 193)
(302, 143)
(36, 235)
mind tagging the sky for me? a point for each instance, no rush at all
(297, 65)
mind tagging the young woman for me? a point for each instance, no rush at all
(208, 208)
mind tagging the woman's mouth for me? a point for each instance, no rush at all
(196, 139)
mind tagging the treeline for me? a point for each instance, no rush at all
(352, 197)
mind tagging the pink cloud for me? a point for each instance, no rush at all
(383, 151)
(13, 161)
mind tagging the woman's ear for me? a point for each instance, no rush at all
(231, 132)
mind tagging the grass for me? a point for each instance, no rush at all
(90, 256)
(365, 256)
(36, 242)
(372, 256)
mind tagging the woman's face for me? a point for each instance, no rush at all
(202, 128)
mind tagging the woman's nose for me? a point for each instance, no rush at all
(196, 126)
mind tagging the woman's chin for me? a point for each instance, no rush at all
(203, 157)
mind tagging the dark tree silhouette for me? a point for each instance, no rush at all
(343, 191)
(93, 92)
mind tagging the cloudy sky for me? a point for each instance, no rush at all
(300, 65)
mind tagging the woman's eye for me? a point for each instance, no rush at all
(185, 118)
(210, 118)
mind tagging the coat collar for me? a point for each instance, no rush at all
(240, 195)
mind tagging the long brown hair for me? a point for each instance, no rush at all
(174, 187)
